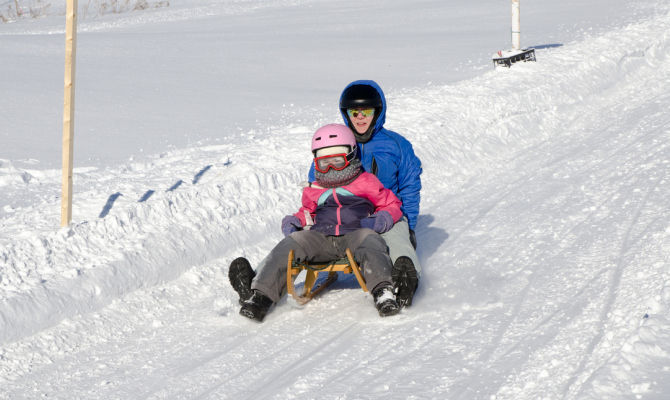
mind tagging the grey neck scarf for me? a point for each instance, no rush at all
(333, 178)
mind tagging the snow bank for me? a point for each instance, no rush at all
(9, 175)
(54, 275)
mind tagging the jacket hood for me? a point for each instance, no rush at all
(379, 123)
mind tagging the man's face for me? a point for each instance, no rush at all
(361, 118)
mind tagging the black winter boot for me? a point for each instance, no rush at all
(240, 275)
(405, 280)
(385, 300)
(256, 306)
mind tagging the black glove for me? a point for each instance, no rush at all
(412, 238)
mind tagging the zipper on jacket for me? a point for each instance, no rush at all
(374, 168)
(339, 216)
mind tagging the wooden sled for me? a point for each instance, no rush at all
(346, 265)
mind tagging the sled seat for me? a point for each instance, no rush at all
(345, 265)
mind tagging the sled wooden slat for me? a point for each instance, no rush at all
(346, 265)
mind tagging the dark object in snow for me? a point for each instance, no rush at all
(506, 58)
(405, 280)
(240, 275)
(256, 306)
(385, 300)
(110, 203)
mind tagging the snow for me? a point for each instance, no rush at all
(544, 234)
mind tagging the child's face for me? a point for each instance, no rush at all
(361, 118)
(335, 157)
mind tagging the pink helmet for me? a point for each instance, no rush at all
(333, 135)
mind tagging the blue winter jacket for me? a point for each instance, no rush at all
(391, 158)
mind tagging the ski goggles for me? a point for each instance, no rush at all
(366, 112)
(338, 162)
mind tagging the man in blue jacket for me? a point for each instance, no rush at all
(391, 158)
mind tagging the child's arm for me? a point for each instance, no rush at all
(382, 198)
(309, 203)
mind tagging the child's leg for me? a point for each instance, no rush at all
(371, 253)
(306, 246)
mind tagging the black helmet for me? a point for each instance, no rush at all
(360, 96)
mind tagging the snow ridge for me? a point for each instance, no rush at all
(48, 277)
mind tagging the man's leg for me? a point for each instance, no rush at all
(397, 240)
(406, 268)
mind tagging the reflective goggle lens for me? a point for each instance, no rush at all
(336, 161)
(366, 112)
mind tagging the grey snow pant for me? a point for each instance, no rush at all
(366, 245)
(397, 239)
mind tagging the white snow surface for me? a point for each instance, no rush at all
(544, 231)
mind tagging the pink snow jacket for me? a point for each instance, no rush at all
(336, 211)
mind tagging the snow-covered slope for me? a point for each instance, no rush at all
(544, 236)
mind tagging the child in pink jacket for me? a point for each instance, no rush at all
(344, 208)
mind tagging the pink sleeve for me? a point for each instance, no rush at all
(309, 200)
(382, 198)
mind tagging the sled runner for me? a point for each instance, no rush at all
(345, 265)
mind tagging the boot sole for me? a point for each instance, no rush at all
(392, 310)
(240, 275)
(405, 280)
(251, 314)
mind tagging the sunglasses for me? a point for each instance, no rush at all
(338, 162)
(366, 112)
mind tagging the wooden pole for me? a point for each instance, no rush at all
(68, 110)
(18, 8)
(516, 25)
